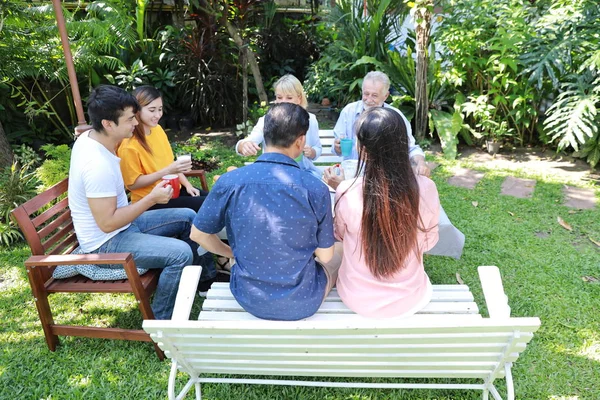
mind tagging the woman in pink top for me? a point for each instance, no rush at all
(386, 220)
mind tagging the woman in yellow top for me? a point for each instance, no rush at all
(147, 156)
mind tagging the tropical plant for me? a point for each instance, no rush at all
(132, 77)
(337, 73)
(203, 60)
(17, 185)
(563, 61)
(483, 41)
(26, 156)
(33, 63)
(286, 44)
(55, 167)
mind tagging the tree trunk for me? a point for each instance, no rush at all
(260, 88)
(245, 88)
(423, 31)
(6, 154)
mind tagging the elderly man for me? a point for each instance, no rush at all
(375, 90)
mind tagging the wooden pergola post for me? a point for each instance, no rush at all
(82, 125)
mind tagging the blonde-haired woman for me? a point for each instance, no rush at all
(288, 89)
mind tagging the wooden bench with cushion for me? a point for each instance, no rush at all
(448, 339)
(47, 226)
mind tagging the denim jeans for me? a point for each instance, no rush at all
(161, 239)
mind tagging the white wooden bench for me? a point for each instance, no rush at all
(328, 157)
(448, 339)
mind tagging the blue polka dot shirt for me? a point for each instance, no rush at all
(276, 216)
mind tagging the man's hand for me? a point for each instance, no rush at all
(337, 147)
(248, 148)
(331, 178)
(420, 166)
(309, 152)
(161, 193)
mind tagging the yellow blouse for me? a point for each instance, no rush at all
(136, 161)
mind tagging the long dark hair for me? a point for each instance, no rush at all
(144, 96)
(390, 218)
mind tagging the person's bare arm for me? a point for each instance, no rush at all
(109, 217)
(325, 255)
(176, 167)
(211, 242)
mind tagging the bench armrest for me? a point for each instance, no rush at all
(493, 291)
(188, 284)
(51, 260)
(199, 173)
(74, 259)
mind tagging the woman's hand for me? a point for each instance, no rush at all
(331, 177)
(309, 152)
(192, 191)
(180, 166)
(248, 148)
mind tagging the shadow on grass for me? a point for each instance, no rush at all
(542, 276)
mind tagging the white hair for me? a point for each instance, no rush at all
(378, 76)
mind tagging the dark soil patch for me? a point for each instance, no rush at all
(206, 165)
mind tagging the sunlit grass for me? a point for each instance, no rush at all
(542, 266)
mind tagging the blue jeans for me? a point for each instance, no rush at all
(161, 239)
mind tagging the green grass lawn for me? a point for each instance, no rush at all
(542, 264)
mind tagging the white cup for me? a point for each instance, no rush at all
(350, 167)
(184, 157)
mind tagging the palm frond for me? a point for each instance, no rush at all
(572, 118)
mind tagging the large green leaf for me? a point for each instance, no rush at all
(447, 125)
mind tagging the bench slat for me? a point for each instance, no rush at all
(348, 357)
(328, 159)
(223, 292)
(420, 349)
(382, 373)
(460, 307)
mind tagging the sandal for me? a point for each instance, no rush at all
(224, 265)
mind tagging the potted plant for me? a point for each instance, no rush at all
(494, 137)
(483, 114)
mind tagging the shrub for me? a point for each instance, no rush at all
(56, 166)
(17, 185)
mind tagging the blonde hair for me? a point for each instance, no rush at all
(290, 85)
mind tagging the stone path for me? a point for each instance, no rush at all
(518, 187)
(581, 198)
(465, 178)
(574, 197)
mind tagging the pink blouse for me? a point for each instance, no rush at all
(402, 294)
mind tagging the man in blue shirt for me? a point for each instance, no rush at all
(375, 90)
(278, 218)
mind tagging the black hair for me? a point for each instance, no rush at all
(390, 218)
(108, 102)
(284, 123)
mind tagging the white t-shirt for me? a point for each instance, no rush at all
(94, 173)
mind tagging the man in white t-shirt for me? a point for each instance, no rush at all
(105, 222)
